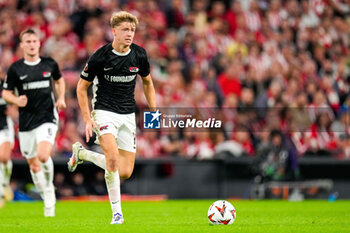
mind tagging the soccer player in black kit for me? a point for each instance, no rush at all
(31, 76)
(6, 145)
(113, 70)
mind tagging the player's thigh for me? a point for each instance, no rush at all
(104, 121)
(109, 145)
(6, 144)
(27, 144)
(5, 151)
(127, 146)
(110, 149)
(117, 158)
(126, 137)
(126, 163)
(45, 136)
(44, 149)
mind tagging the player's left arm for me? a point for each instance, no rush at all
(60, 87)
(149, 91)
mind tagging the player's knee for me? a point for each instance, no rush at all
(7, 157)
(125, 173)
(42, 157)
(34, 166)
(112, 164)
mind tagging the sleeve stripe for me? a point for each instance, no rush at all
(84, 74)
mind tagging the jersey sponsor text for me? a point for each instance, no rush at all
(127, 78)
(36, 85)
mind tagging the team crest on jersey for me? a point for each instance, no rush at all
(103, 127)
(86, 68)
(134, 69)
(47, 74)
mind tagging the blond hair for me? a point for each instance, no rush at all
(123, 16)
(27, 31)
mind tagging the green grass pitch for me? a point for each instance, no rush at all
(178, 216)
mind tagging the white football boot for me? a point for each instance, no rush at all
(117, 219)
(8, 193)
(49, 201)
(2, 202)
(74, 160)
(49, 211)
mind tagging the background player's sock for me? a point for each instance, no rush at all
(7, 172)
(94, 157)
(47, 168)
(49, 196)
(39, 181)
(2, 197)
(49, 189)
(113, 187)
(2, 180)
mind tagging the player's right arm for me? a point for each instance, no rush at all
(8, 89)
(83, 101)
(10, 97)
(86, 77)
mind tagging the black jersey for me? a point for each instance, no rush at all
(3, 106)
(114, 77)
(34, 81)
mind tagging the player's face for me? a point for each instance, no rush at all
(124, 33)
(30, 44)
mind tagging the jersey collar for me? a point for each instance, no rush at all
(32, 63)
(121, 54)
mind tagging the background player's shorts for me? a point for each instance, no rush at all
(122, 126)
(8, 135)
(28, 140)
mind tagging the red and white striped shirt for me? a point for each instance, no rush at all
(253, 20)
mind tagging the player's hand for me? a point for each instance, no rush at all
(89, 125)
(60, 103)
(22, 101)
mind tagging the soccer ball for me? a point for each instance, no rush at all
(221, 212)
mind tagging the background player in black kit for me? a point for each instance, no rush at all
(31, 76)
(113, 71)
(6, 145)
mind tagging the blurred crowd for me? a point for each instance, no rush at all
(267, 64)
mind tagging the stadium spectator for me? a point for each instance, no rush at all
(320, 138)
(253, 17)
(66, 137)
(62, 188)
(229, 81)
(341, 126)
(87, 9)
(98, 185)
(148, 145)
(79, 187)
(175, 17)
(242, 137)
(233, 15)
